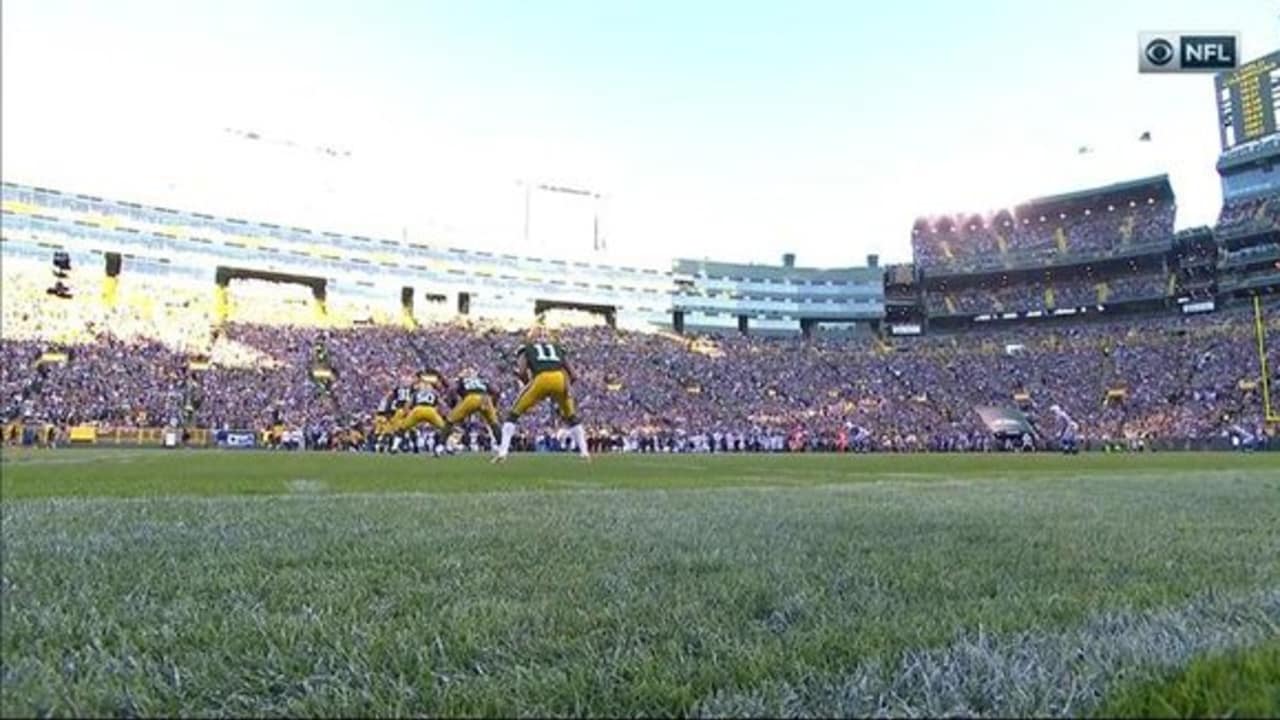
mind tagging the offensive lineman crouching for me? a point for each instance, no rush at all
(472, 396)
(392, 413)
(423, 410)
(382, 421)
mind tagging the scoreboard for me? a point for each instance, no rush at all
(1247, 98)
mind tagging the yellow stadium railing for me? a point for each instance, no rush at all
(104, 437)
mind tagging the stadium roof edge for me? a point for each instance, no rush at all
(1159, 183)
(617, 263)
(762, 271)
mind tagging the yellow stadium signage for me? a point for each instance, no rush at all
(52, 358)
(83, 434)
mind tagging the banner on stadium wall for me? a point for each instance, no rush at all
(905, 329)
(52, 358)
(1198, 307)
(236, 438)
(83, 434)
(1004, 421)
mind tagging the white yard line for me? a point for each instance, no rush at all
(1030, 674)
(575, 484)
(76, 457)
(306, 486)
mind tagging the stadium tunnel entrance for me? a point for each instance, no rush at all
(224, 275)
(608, 312)
(842, 326)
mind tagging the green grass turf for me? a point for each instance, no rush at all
(144, 472)
(260, 583)
(1239, 684)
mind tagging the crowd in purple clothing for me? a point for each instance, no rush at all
(996, 294)
(108, 381)
(1257, 213)
(1168, 377)
(1032, 236)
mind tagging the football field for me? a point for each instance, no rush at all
(149, 582)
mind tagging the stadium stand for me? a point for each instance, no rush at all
(1253, 214)
(1118, 220)
(1183, 376)
(143, 333)
(1103, 249)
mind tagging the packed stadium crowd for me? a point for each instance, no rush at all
(1257, 213)
(993, 294)
(1160, 377)
(1030, 237)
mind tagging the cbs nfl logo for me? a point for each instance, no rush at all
(1174, 52)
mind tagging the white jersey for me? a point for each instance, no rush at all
(1068, 427)
(1245, 436)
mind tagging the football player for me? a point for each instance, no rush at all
(544, 369)
(401, 404)
(472, 396)
(383, 428)
(424, 407)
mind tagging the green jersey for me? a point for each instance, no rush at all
(403, 397)
(472, 386)
(543, 357)
(425, 396)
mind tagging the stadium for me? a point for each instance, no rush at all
(1028, 469)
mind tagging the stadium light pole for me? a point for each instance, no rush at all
(528, 194)
(597, 242)
(528, 191)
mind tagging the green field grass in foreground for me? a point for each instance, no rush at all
(126, 472)
(1240, 684)
(152, 582)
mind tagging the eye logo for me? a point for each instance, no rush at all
(1175, 52)
(1159, 52)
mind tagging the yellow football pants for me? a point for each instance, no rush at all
(422, 414)
(548, 385)
(472, 404)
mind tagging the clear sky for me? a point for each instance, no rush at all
(735, 130)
